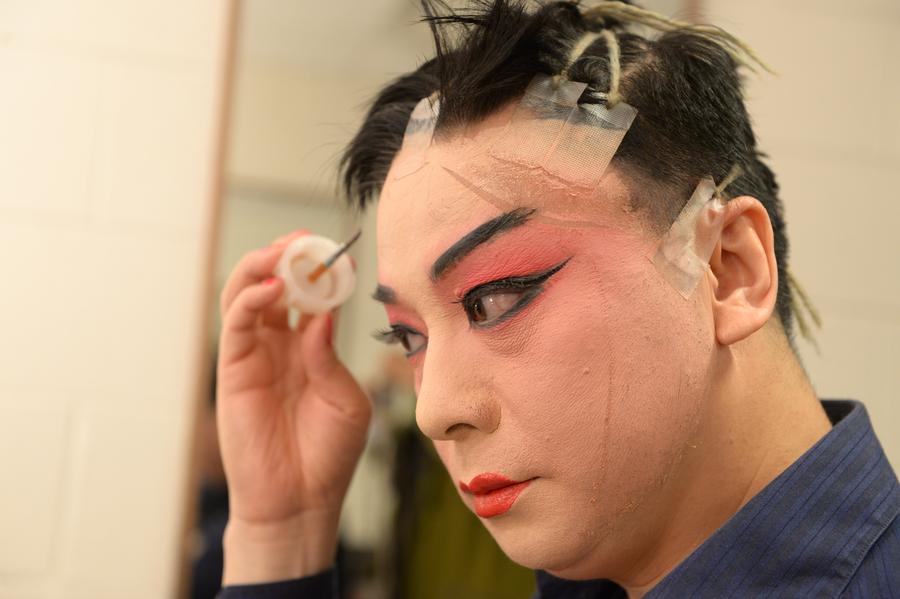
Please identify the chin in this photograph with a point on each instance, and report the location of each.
(536, 551)
(559, 541)
(561, 555)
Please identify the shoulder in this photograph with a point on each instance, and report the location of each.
(878, 574)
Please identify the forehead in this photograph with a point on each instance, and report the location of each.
(463, 184)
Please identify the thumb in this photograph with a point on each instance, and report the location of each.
(327, 374)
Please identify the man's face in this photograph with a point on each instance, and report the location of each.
(548, 353)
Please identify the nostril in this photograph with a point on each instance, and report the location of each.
(457, 429)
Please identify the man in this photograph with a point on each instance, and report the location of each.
(584, 258)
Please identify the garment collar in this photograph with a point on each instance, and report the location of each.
(804, 534)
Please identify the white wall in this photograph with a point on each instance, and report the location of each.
(109, 113)
(831, 123)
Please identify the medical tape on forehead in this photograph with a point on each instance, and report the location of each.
(682, 257)
(567, 144)
(551, 131)
(417, 138)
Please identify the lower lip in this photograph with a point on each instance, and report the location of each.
(498, 501)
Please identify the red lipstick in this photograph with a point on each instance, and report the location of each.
(494, 493)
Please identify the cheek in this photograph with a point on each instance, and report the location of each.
(557, 372)
(660, 347)
(606, 380)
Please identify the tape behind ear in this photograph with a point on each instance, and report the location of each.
(683, 255)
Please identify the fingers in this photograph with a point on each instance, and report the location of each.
(304, 321)
(239, 322)
(276, 315)
(254, 267)
(328, 375)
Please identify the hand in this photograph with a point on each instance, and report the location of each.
(292, 424)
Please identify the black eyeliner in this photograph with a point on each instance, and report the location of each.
(529, 285)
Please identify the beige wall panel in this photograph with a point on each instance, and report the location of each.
(291, 123)
(110, 115)
(34, 440)
(837, 75)
(842, 225)
(831, 124)
(165, 29)
(132, 459)
(137, 124)
(858, 360)
(39, 174)
(106, 310)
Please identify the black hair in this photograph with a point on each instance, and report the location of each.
(691, 120)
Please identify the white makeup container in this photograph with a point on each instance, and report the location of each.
(330, 290)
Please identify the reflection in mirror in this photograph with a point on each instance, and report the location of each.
(298, 97)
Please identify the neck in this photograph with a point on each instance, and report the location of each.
(762, 415)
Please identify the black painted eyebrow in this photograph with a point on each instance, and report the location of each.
(384, 294)
(479, 235)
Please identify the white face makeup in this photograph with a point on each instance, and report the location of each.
(548, 352)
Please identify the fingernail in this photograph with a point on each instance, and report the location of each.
(270, 281)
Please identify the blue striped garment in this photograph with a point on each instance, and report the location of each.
(826, 527)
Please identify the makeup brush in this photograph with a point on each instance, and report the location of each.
(321, 268)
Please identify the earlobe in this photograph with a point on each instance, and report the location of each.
(744, 270)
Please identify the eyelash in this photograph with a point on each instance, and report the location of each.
(398, 333)
(529, 285)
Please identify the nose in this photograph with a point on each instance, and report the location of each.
(455, 397)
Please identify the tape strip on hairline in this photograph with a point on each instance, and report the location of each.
(549, 130)
(418, 137)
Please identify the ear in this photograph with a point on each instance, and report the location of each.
(744, 271)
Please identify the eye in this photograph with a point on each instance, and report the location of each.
(412, 341)
(492, 306)
(491, 303)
